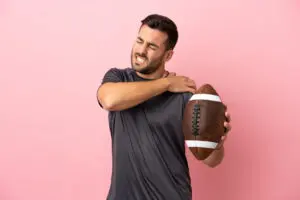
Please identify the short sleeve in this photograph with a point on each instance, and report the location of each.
(113, 75)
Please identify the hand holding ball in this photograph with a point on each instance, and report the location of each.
(203, 121)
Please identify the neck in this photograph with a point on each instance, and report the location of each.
(155, 75)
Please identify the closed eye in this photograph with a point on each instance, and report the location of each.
(139, 40)
(153, 47)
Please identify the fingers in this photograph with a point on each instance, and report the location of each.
(227, 116)
(191, 85)
(191, 90)
(227, 127)
(172, 74)
(166, 73)
(190, 82)
(181, 83)
(221, 143)
(225, 106)
(223, 138)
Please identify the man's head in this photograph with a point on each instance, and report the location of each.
(154, 44)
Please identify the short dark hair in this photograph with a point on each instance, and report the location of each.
(164, 24)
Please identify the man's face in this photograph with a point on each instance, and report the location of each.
(149, 50)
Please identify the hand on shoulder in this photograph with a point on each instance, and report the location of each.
(179, 83)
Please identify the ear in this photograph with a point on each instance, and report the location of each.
(168, 55)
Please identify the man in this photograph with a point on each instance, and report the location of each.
(146, 105)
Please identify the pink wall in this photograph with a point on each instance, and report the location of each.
(54, 140)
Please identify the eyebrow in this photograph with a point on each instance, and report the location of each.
(149, 42)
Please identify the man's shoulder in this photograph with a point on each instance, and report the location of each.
(122, 73)
(119, 70)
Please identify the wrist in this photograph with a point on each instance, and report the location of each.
(165, 83)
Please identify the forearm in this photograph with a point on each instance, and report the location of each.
(120, 96)
(215, 158)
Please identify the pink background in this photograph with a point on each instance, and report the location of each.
(55, 143)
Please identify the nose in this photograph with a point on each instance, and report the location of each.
(142, 50)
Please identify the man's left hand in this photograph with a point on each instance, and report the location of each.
(227, 127)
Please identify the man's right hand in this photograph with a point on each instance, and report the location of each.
(180, 83)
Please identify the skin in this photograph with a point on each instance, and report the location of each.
(150, 45)
(148, 58)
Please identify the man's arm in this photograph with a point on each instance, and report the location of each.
(120, 96)
(116, 95)
(217, 156)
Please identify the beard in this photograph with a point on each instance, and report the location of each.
(148, 67)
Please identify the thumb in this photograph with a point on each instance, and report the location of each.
(221, 143)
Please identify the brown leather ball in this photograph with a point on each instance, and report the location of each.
(203, 121)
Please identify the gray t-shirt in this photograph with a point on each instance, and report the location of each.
(148, 149)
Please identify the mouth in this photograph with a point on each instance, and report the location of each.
(140, 60)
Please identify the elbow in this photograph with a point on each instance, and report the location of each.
(106, 105)
(105, 101)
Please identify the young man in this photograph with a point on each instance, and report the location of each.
(146, 105)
